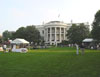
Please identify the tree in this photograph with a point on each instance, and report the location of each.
(33, 35)
(96, 27)
(77, 33)
(20, 33)
(0, 39)
(7, 35)
(30, 33)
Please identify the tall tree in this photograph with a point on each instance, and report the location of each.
(30, 33)
(77, 33)
(20, 33)
(7, 35)
(33, 35)
(0, 39)
(96, 27)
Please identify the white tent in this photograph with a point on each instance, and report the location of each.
(88, 40)
(19, 41)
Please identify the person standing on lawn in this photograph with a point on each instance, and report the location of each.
(82, 47)
(77, 49)
(4, 47)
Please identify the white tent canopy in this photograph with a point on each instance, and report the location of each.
(88, 40)
(19, 41)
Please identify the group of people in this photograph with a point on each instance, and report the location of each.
(4, 48)
(82, 48)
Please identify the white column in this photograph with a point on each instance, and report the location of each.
(50, 35)
(64, 33)
(60, 34)
(55, 34)
(47, 34)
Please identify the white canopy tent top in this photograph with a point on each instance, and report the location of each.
(19, 41)
(88, 40)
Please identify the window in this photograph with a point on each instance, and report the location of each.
(42, 31)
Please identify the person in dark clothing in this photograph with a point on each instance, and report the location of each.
(82, 47)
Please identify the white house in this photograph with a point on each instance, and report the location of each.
(54, 32)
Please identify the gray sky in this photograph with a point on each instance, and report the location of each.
(17, 13)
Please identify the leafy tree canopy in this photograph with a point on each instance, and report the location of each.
(77, 33)
(7, 35)
(96, 27)
(30, 33)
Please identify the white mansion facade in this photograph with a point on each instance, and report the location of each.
(54, 32)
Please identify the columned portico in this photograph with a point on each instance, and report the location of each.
(55, 32)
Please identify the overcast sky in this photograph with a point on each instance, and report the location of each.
(17, 13)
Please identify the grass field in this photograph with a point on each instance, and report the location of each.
(52, 62)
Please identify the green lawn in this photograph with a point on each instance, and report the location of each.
(52, 62)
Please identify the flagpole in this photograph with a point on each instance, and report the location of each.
(58, 16)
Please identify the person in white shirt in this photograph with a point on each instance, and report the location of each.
(77, 49)
(4, 48)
